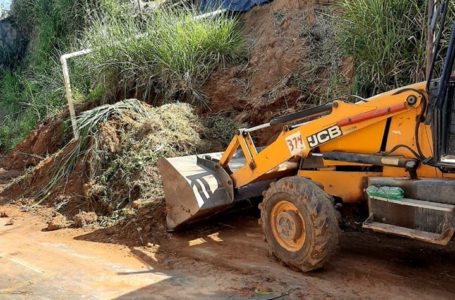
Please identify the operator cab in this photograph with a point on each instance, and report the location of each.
(448, 154)
(441, 111)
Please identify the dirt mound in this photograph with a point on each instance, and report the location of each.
(143, 226)
(113, 164)
(45, 139)
(282, 74)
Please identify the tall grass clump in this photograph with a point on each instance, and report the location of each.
(167, 54)
(387, 41)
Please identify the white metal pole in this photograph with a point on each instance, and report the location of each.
(68, 93)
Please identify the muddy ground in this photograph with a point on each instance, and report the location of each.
(226, 259)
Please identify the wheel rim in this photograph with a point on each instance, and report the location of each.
(288, 226)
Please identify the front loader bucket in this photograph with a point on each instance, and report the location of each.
(195, 187)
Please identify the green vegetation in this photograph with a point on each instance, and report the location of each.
(220, 129)
(167, 131)
(171, 59)
(324, 59)
(89, 125)
(166, 55)
(386, 39)
(32, 90)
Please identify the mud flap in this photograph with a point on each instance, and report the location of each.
(416, 219)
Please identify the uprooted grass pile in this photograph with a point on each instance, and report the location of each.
(111, 169)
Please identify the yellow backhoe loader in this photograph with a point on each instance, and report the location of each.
(400, 140)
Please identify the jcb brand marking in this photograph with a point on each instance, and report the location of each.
(295, 144)
(324, 136)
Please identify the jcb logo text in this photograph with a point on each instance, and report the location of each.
(324, 136)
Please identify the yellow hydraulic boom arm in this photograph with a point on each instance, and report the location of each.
(341, 119)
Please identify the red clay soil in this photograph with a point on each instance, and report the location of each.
(32, 184)
(71, 190)
(263, 88)
(46, 138)
(147, 225)
(280, 54)
(273, 34)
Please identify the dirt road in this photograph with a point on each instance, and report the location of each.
(223, 260)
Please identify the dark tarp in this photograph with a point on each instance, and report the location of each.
(232, 5)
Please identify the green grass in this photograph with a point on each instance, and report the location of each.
(32, 88)
(171, 60)
(11, 88)
(387, 41)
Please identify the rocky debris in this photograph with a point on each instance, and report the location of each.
(84, 219)
(3, 214)
(10, 222)
(146, 226)
(57, 222)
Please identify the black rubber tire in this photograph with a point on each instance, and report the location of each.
(319, 215)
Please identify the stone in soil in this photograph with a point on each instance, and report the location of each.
(83, 219)
(57, 222)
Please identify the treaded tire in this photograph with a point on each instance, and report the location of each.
(320, 222)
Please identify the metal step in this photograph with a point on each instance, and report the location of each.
(416, 219)
(440, 190)
(419, 204)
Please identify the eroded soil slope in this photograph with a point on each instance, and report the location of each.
(288, 66)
